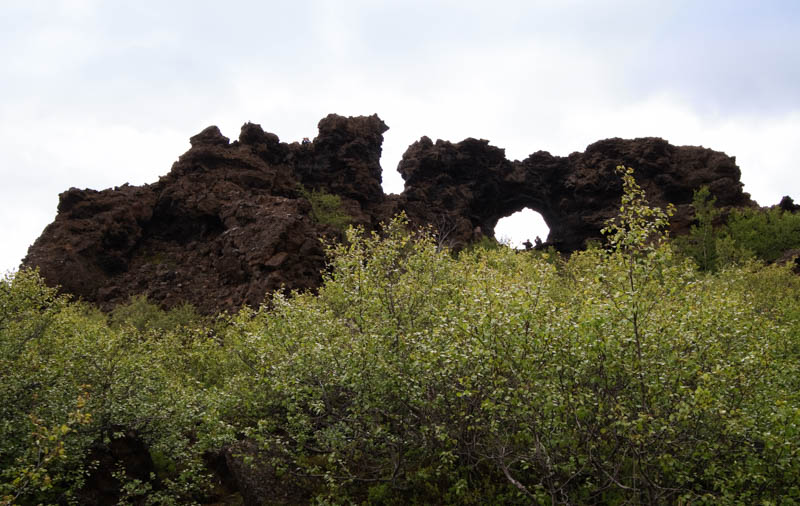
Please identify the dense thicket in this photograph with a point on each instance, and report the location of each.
(714, 242)
(617, 375)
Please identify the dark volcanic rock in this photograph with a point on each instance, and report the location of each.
(345, 158)
(228, 223)
(226, 226)
(787, 204)
(467, 187)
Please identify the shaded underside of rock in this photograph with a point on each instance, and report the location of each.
(230, 222)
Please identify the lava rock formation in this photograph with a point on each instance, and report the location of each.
(230, 222)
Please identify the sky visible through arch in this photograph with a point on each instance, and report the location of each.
(94, 94)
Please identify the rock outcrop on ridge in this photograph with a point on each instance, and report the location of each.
(229, 223)
(470, 185)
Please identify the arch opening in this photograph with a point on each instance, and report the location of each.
(520, 227)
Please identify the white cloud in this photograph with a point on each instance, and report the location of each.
(42, 159)
(768, 152)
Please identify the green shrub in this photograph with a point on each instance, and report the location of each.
(747, 233)
(701, 242)
(617, 376)
(326, 208)
(69, 382)
(145, 316)
(767, 233)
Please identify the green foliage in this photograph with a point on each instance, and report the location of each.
(767, 233)
(747, 234)
(326, 208)
(701, 242)
(618, 375)
(69, 382)
(638, 229)
(143, 315)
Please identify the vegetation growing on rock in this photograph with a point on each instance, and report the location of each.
(326, 208)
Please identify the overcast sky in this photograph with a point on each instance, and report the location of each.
(94, 94)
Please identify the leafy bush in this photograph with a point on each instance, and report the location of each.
(70, 385)
(326, 208)
(701, 242)
(145, 316)
(767, 233)
(621, 376)
(746, 234)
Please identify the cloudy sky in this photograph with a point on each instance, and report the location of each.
(94, 93)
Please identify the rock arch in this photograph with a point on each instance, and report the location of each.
(472, 181)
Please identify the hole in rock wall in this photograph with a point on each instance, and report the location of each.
(521, 226)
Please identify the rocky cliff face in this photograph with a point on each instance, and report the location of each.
(223, 228)
(229, 223)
